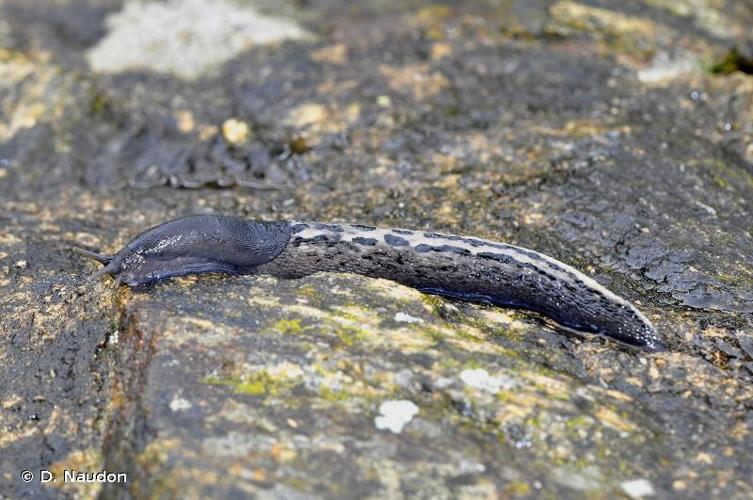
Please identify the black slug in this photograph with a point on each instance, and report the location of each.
(454, 266)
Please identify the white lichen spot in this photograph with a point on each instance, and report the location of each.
(184, 37)
(580, 479)
(664, 68)
(638, 488)
(395, 414)
(179, 404)
(480, 379)
(402, 317)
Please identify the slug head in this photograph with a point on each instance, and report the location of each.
(194, 245)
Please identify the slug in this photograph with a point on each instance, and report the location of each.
(460, 267)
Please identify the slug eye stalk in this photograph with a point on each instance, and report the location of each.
(102, 258)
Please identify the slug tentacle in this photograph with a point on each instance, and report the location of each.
(461, 267)
(102, 258)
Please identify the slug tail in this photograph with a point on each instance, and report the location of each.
(467, 268)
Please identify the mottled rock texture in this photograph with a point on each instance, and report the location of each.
(616, 136)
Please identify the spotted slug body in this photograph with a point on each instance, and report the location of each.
(461, 267)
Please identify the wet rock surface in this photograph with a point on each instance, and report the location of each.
(596, 132)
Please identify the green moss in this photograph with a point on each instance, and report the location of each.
(348, 315)
(433, 301)
(351, 336)
(724, 174)
(308, 291)
(533, 422)
(319, 369)
(504, 396)
(333, 394)
(348, 335)
(98, 104)
(733, 61)
(517, 488)
(259, 383)
(288, 326)
(252, 388)
(474, 364)
(102, 106)
(574, 423)
(736, 280)
(432, 333)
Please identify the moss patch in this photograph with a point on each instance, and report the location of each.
(260, 383)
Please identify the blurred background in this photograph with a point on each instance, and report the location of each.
(613, 135)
